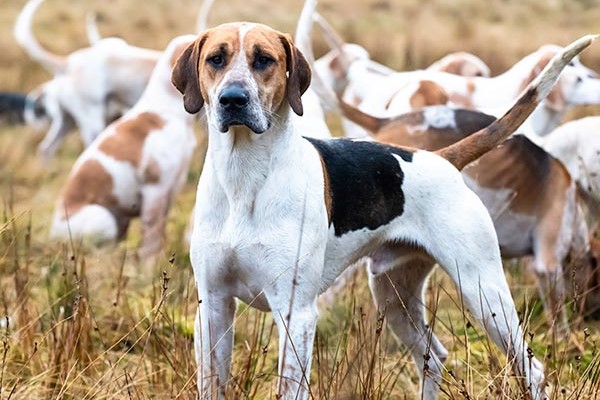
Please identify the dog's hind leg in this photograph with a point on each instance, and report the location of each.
(464, 244)
(155, 207)
(551, 245)
(399, 294)
(61, 124)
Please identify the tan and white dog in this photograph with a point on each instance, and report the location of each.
(90, 88)
(334, 67)
(279, 217)
(407, 91)
(134, 168)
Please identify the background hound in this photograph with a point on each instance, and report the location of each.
(90, 88)
(134, 168)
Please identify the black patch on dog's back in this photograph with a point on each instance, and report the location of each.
(365, 182)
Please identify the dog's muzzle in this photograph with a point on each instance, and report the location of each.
(235, 109)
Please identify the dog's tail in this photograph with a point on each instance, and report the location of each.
(302, 38)
(24, 36)
(474, 146)
(202, 20)
(332, 38)
(367, 121)
(91, 28)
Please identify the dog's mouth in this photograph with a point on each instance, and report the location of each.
(232, 118)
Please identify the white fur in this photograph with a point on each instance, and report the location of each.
(577, 145)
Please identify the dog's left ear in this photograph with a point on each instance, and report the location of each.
(185, 76)
(299, 74)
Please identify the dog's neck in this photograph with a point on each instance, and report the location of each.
(242, 161)
(518, 73)
(161, 96)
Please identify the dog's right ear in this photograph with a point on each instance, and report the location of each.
(185, 76)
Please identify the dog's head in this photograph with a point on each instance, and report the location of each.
(244, 74)
(577, 85)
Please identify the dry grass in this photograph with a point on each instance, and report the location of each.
(83, 323)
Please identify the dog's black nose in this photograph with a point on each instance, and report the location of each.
(234, 96)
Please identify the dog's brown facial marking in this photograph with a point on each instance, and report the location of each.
(243, 73)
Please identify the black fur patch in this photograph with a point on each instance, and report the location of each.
(12, 106)
(365, 182)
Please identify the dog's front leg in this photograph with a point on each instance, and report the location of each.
(296, 324)
(58, 129)
(213, 339)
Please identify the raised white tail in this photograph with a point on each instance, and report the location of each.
(54, 63)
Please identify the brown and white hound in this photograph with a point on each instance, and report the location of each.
(134, 168)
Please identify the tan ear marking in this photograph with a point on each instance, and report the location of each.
(185, 76)
(299, 74)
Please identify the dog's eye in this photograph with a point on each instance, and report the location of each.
(262, 62)
(571, 64)
(216, 61)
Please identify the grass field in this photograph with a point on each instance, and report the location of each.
(86, 323)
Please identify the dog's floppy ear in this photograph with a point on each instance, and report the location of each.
(299, 74)
(185, 76)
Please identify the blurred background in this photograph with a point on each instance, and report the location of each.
(403, 34)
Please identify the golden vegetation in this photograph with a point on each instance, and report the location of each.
(95, 323)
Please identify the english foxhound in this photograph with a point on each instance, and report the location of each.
(334, 70)
(279, 217)
(334, 66)
(134, 168)
(91, 86)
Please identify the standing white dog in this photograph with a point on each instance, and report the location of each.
(279, 217)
